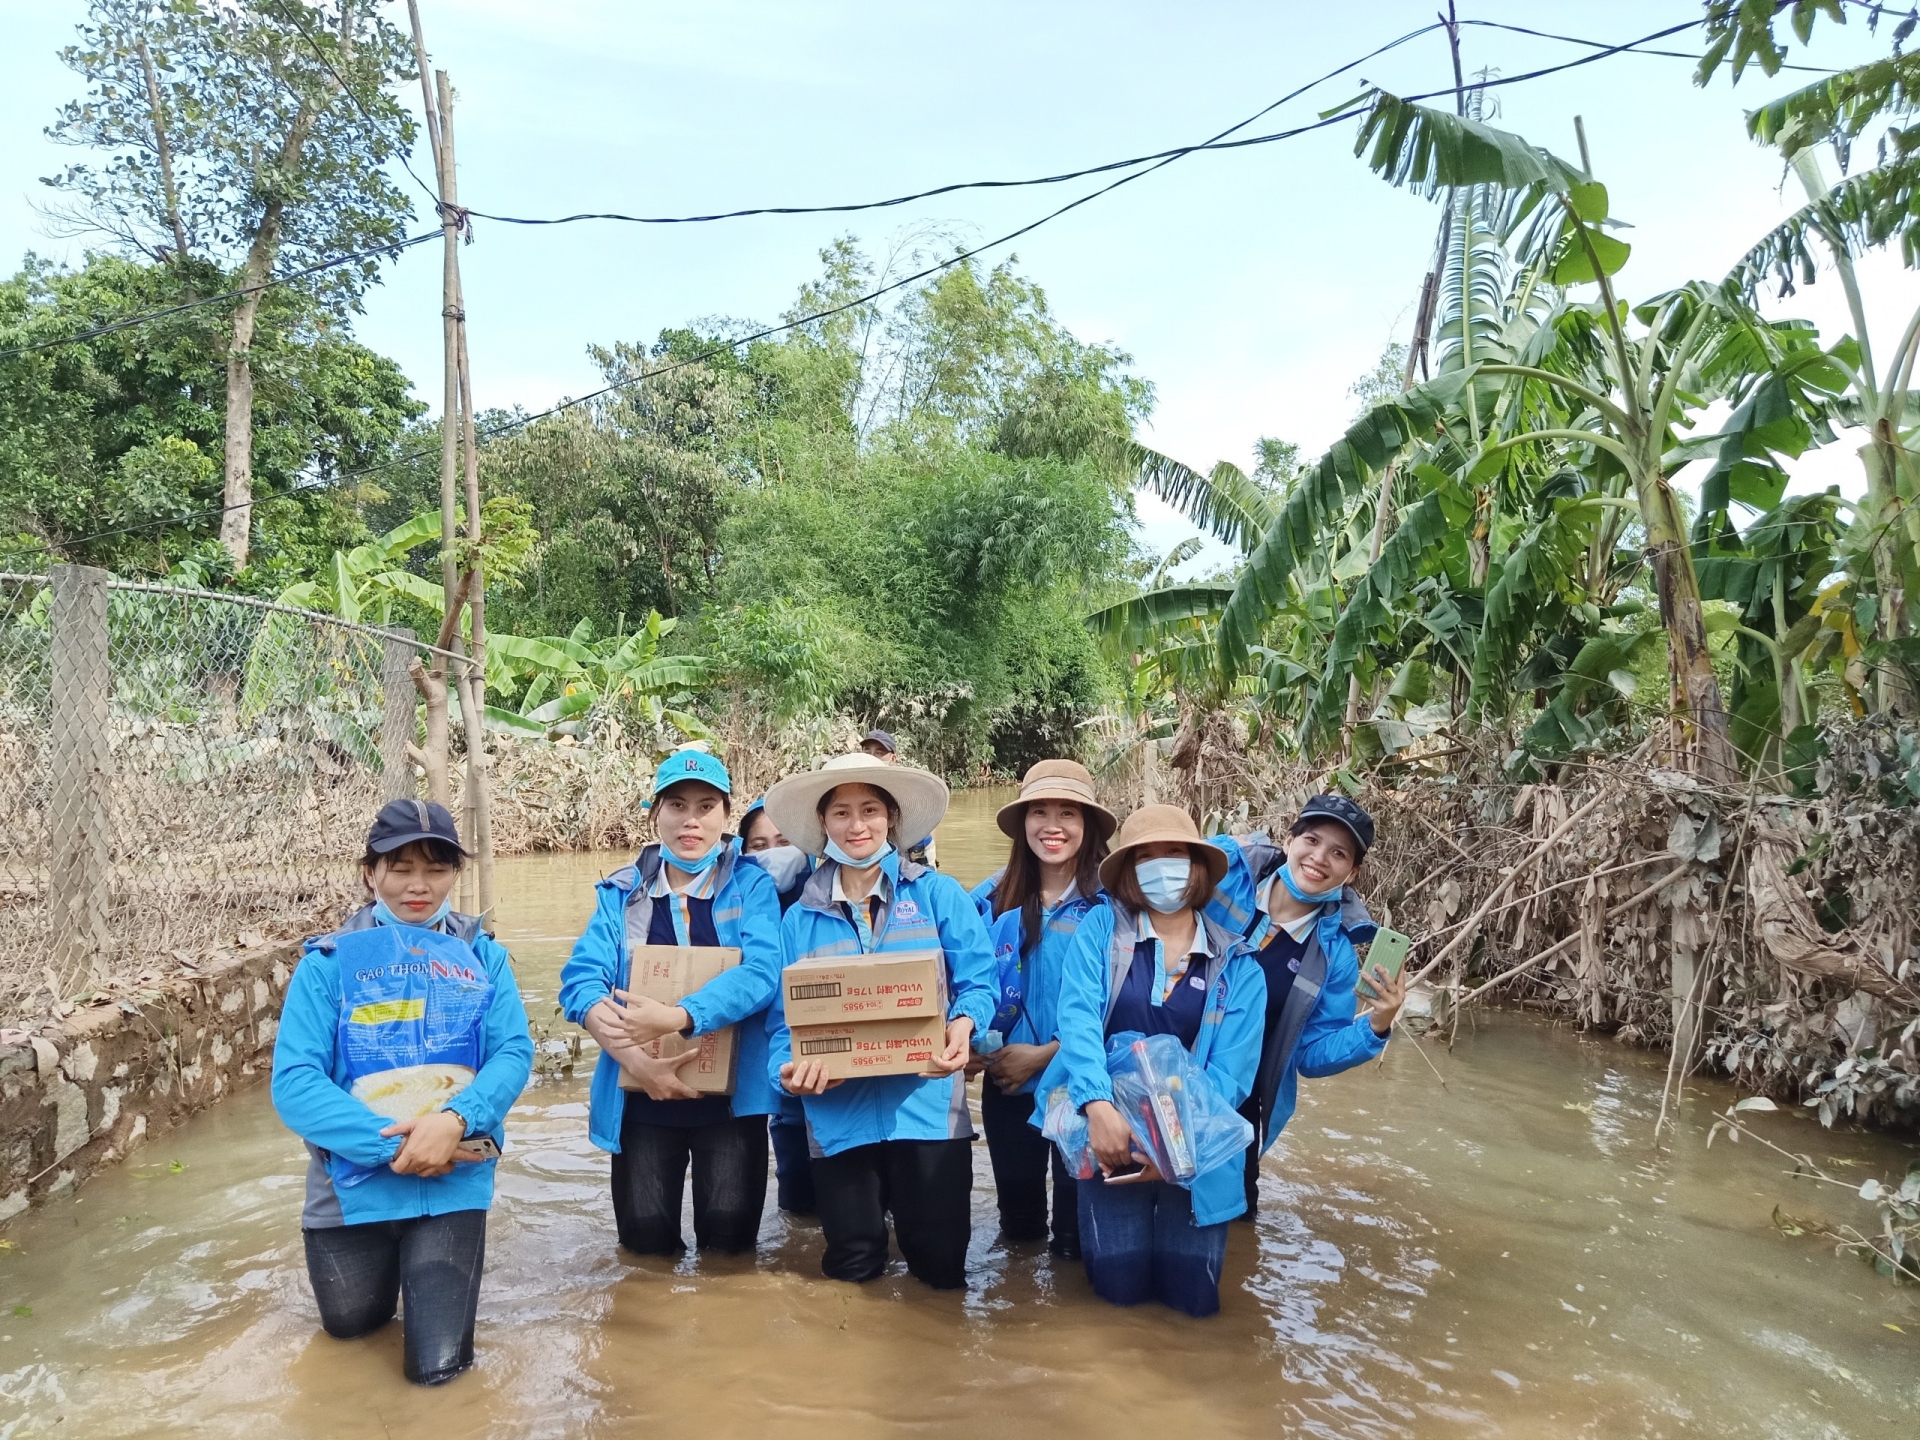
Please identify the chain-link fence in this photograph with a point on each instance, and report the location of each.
(180, 771)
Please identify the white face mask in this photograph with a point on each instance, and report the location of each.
(1163, 882)
(785, 863)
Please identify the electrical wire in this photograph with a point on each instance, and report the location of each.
(938, 190)
(1632, 49)
(128, 323)
(293, 19)
(960, 257)
(1218, 142)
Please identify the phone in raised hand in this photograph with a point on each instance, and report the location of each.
(1388, 951)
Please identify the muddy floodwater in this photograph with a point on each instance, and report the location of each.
(1504, 1257)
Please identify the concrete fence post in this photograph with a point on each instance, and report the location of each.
(79, 858)
(396, 727)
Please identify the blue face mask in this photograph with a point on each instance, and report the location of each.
(1163, 882)
(840, 857)
(386, 916)
(785, 863)
(693, 867)
(1303, 896)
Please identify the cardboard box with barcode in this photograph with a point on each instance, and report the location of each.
(863, 1048)
(906, 985)
(670, 973)
(880, 1014)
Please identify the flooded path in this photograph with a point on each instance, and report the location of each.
(1503, 1258)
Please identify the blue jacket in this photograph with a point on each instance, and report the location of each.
(746, 915)
(929, 911)
(1039, 1021)
(1320, 1028)
(982, 894)
(310, 1092)
(1227, 1047)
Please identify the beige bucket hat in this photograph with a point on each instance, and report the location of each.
(793, 804)
(1059, 780)
(1152, 824)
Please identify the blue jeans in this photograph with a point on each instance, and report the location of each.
(1140, 1243)
(360, 1274)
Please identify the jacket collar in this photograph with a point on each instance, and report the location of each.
(818, 892)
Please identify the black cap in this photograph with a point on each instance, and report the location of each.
(881, 737)
(401, 822)
(1339, 807)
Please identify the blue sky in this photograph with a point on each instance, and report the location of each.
(1251, 286)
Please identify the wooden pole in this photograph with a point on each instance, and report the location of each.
(79, 859)
(438, 739)
(476, 826)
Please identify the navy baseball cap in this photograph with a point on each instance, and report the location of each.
(1340, 808)
(401, 822)
(881, 737)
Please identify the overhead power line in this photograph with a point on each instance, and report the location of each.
(938, 190)
(1345, 113)
(1633, 49)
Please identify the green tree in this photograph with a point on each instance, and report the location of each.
(110, 446)
(252, 137)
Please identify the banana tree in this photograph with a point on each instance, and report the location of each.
(622, 676)
(362, 583)
(1864, 211)
(1626, 378)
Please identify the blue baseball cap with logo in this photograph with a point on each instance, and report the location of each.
(691, 765)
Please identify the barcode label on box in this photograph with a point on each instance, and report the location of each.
(819, 990)
(827, 1045)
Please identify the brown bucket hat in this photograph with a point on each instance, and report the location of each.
(1059, 780)
(1152, 824)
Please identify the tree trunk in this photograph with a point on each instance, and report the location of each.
(164, 150)
(1893, 696)
(1695, 688)
(236, 493)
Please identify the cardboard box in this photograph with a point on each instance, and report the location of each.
(670, 973)
(908, 985)
(872, 1047)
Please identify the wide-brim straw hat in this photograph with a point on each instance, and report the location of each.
(1153, 824)
(1059, 780)
(793, 804)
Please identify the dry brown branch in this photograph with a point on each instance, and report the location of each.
(1506, 883)
(1784, 923)
(1574, 939)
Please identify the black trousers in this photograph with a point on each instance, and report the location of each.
(926, 1185)
(1021, 1158)
(1251, 1113)
(361, 1273)
(792, 1166)
(729, 1161)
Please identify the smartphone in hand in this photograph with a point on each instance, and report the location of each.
(1388, 951)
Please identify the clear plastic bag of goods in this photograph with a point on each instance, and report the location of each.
(1066, 1127)
(1178, 1119)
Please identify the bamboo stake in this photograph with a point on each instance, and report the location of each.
(478, 779)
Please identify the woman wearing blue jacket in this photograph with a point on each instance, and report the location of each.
(687, 888)
(1293, 907)
(1150, 961)
(892, 1144)
(1035, 907)
(762, 844)
(401, 1047)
